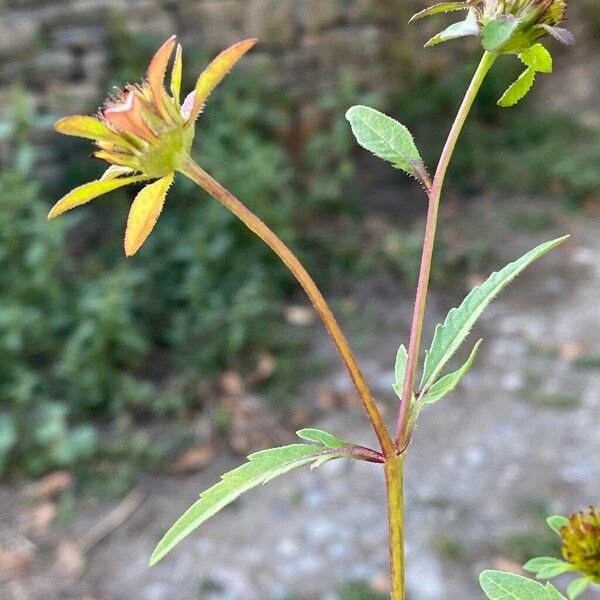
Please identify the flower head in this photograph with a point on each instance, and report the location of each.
(146, 133)
(581, 543)
(505, 26)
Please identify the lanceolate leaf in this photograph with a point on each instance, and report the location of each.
(470, 26)
(507, 586)
(447, 384)
(553, 593)
(557, 522)
(519, 89)
(261, 468)
(546, 567)
(443, 7)
(449, 336)
(387, 139)
(400, 370)
(577, 587)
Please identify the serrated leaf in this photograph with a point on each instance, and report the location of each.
(507, 586)
(447, 384)
(557, 522)
(577, 587)
(470, 26)
(546, 567)
(322, 437)
(519, 89)
(261, 468)
(400, 369)
(387, 139)
(442, 7)
(450, 335)
(538, 58)
(499, 31)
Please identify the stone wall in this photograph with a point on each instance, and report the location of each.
(60, 49)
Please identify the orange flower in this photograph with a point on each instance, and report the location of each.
(146, 133)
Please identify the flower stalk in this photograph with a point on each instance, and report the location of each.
(434, 195)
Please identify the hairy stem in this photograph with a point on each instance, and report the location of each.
(255, 224)
(394, 479)
(435, 192)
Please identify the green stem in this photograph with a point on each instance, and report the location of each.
(435, 192)
(394, 479)
(215, 189)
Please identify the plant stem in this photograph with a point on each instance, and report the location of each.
(435, 192)
(394, 479)
(255, 224)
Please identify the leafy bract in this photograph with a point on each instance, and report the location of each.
(499, 31)
(449, 336)
(442, 7)
(519, 89)
(261, 468)
(470, 26)
(507, 586)
(546, 567)
(538, 58)
(557, 522)
(387, 139)
(577, 587)
(447, 384)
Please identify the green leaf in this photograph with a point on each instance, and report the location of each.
(552, 593)
(577, 587)
(538, 58)
(546, 567)
(443, 7)
(387, 139)
(470, 26)
(507, 586)
(322, 437)
(557, 522)
(400, 369)
(261, 468)
(519, 89)
(498, 32)
(447, 384)
(450, 335)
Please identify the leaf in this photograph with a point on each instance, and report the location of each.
(449, 336)
(89, 191)
(470, 26)
(546, 567)
(400, 370)
(564, 36)
(176, 73)
(144, 213)
(447, 384)
(322, 437)
(507, 586)
(577, 587)
(261, 468)
(443, 7)
(552, 593)
(213, 75)
(499, 31)
(557, 522)
(90, 128)
(538, 58)
(387, 139)
(519, 89)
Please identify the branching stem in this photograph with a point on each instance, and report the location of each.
(402, 429)
(255, 224)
